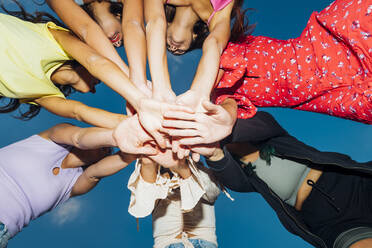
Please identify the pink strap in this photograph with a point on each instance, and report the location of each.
(211, 16)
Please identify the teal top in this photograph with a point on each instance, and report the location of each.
(283, 176)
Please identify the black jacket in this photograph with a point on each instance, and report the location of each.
(263, 130)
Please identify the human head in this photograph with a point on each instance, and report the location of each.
(185, 29)
(108, 16)
(184, 23)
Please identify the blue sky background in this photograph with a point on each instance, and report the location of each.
(100, 218)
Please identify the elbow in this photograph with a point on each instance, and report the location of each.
(82, 31)
(77, 111)
(95, 61)
(133, 25)
(76, 138)
(213, 42)
(157, 24)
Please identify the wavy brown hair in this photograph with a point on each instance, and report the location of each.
(12, 104)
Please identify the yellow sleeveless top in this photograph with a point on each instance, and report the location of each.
(29, 55)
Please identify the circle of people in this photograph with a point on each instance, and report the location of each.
(327, 69)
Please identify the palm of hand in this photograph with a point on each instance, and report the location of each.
(216, 125)
(151, 118)
(132, 141)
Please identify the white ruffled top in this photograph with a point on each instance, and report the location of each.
(181, 208)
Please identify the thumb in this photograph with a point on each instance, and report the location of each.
(210, 107)
(195, 157)
(147, 150)
(159, 139)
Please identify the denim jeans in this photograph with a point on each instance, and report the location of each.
(4, 236)
(197, 243)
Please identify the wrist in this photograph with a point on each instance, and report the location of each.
(217, 155)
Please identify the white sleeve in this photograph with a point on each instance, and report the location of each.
(199, 185)
(143, 194)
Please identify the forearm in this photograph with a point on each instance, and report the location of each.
(135, 46)
(103, 168)
(207, 69)
(86, 29)
(79, 111)
(93, 138)
(182, 169)
(96, 39)
(156, 44)
(231, 107)
(149, 170)
(109, 165)
(100, 67)
(113, 77)
(97, 117)
(135, 40)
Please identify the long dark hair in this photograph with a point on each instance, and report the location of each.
(11, 103)
(115, 8)
(241, 26)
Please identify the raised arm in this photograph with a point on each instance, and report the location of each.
(103, 168)
(132, 142)
(82, 138)
(208, 67)
(156, 26)
(100, 67)
(149, 111)
(79, 111)
(135, 43)
(87, 30)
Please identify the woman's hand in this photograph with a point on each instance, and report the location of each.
(164, 95)
(201, 128)
(131, 138)
(165, 158)
(210, 151)
(193, 100)
(151, 113)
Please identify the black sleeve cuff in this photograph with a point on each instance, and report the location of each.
(221, 164)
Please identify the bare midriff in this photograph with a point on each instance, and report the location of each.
(304, 190)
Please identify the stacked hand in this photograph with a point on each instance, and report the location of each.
(151, 114)
(131, 138)
(159, 124)
(201, 131)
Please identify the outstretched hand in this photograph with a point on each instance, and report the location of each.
(200, 128)
(131, 138)
(151, 113)
(193, 100)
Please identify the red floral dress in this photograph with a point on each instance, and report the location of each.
(328, 69)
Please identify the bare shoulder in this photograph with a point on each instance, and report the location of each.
(47, 134)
